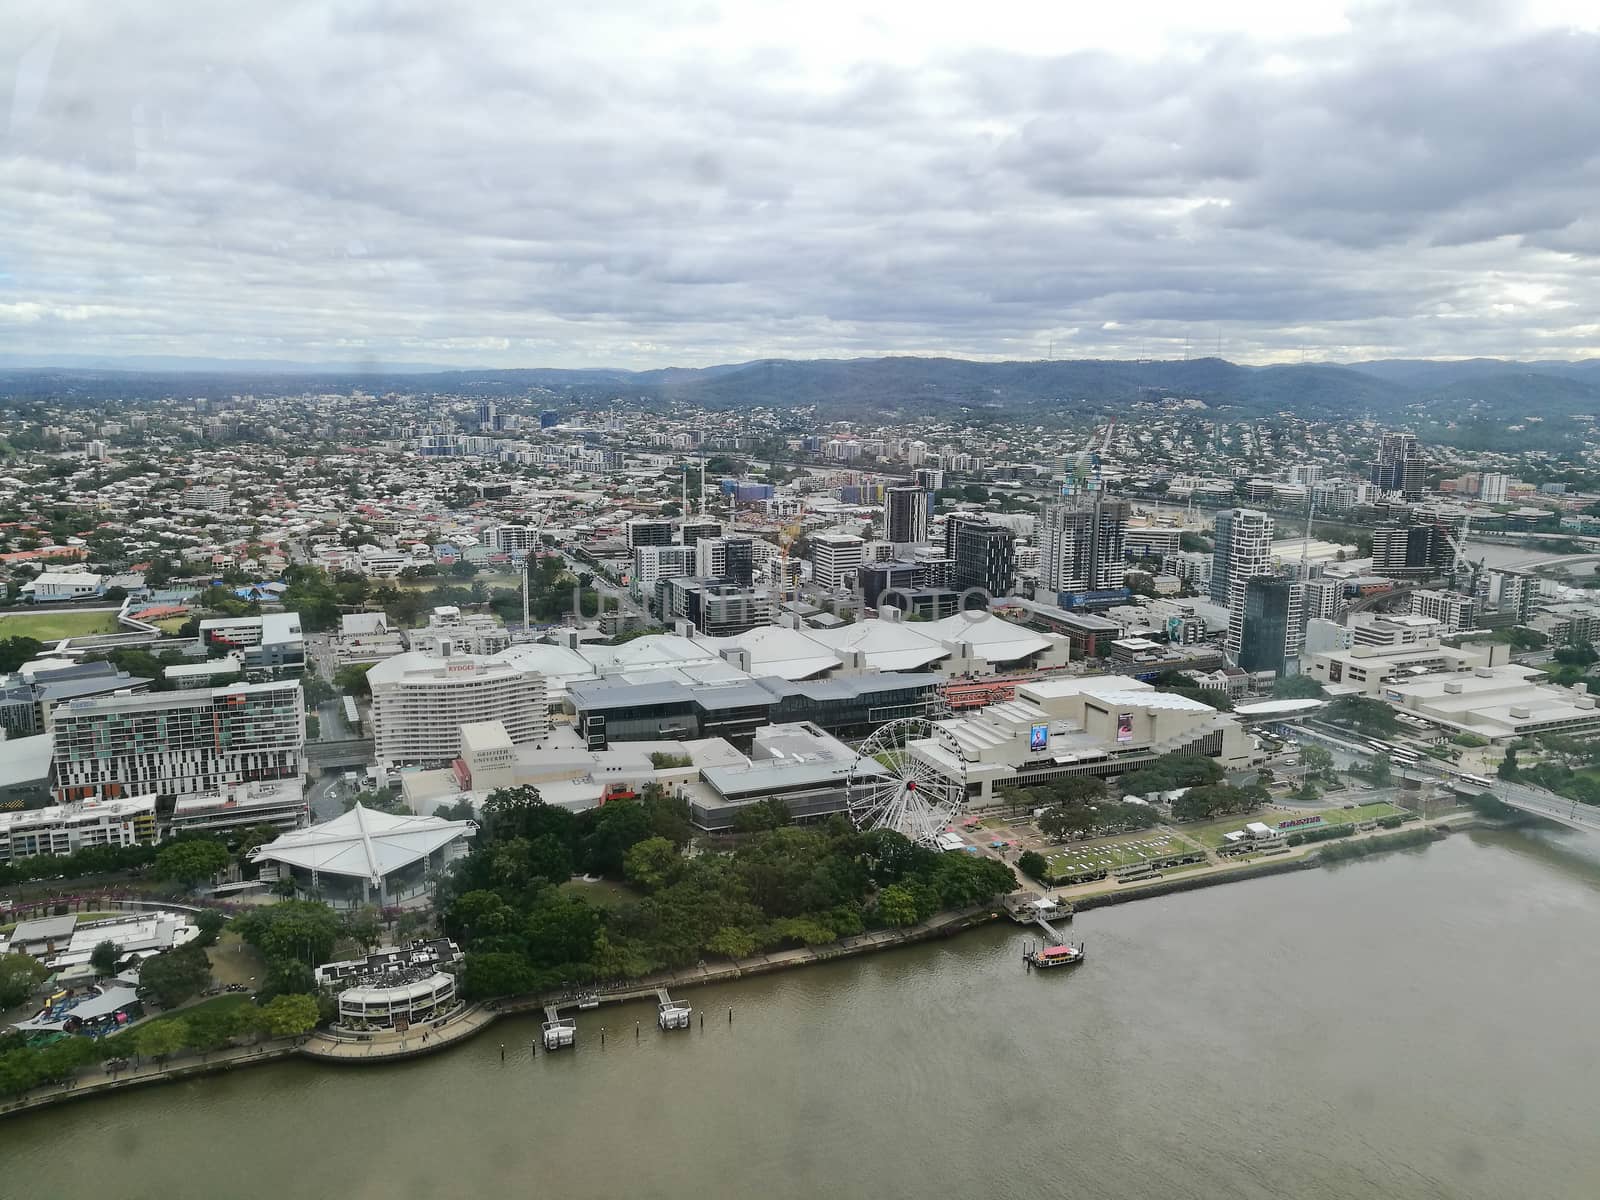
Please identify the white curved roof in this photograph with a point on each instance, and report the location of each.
(363, 843)
(887, 645)
(1266, 708)
(775, 650)
(993, 639)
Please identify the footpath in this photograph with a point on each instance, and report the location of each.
(100, 1081)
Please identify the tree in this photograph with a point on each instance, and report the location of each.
(210, 923)
(1318, 762)
(485, 976)
(175, 976)
(301, 930)
(1378, 770)
(732, 942)
(20, 974)
(650, 863)
(162, 1039)
(286, 977)
(190, 861)
(560, 929)
(14, 651)
(352, 680)
(479, 914)
(363, 926)
(103, 958)
(1298, 687)
(1034, 864)
(771, 813)
(1508, 765)
(317, 690)
(212, 1028)
(897, 906)
(289, 1015)
(1064, 820)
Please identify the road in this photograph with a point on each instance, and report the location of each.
(326, 797)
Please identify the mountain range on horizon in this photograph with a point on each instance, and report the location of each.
(1467, 401)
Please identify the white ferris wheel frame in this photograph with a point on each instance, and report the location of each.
(914, 797)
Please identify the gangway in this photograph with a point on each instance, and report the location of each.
(560, 1033)
(670, 1013)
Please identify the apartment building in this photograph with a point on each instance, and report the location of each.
(420, 701)
(185, 743)
(467, 633)
(68, 828)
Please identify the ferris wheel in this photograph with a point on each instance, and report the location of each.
(890, 787)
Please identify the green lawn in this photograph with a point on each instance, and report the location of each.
(225, 1001)
(1113, 853)
(53, 626)
(604, 894)
(1210, 832)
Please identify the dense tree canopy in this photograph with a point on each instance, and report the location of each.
(524, 927)
(191, 861)
(175, 976)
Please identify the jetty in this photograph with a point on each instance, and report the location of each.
(670, 1013)
(559, 1033)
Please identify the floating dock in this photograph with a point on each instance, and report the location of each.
(560, 1033)
(670, 1013)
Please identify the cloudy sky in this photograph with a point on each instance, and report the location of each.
(653, 183)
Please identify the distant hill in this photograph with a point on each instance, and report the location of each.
(1445, 396)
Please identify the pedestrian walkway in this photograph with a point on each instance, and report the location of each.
(100, 1080)
(420, 1039)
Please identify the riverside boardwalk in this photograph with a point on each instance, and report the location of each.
(335, 1046)
(99, 1081)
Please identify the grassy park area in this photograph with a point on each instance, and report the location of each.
(1111, 854)
(53, 626)
(1209, 833)
(603, 893)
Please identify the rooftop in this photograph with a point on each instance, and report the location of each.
(363, 843)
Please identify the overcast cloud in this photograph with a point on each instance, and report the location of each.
(645, 184)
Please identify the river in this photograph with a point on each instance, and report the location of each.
(1417, 1025)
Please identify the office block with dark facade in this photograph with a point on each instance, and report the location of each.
(715, 608)
(983, 555)
(876, 578)
(1268, 625)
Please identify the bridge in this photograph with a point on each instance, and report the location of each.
(346, 752)
(1532, 800)
(1373, 599)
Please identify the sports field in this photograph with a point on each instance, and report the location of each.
(53, 626)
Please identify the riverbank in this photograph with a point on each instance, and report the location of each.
(101, 1081)
(327, 1047)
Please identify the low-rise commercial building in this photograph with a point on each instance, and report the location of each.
(365, 857)
(1366, 670)
(1098, 725)
(1498, 703)
(28, 696)
(67, 828)
(269, 645)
